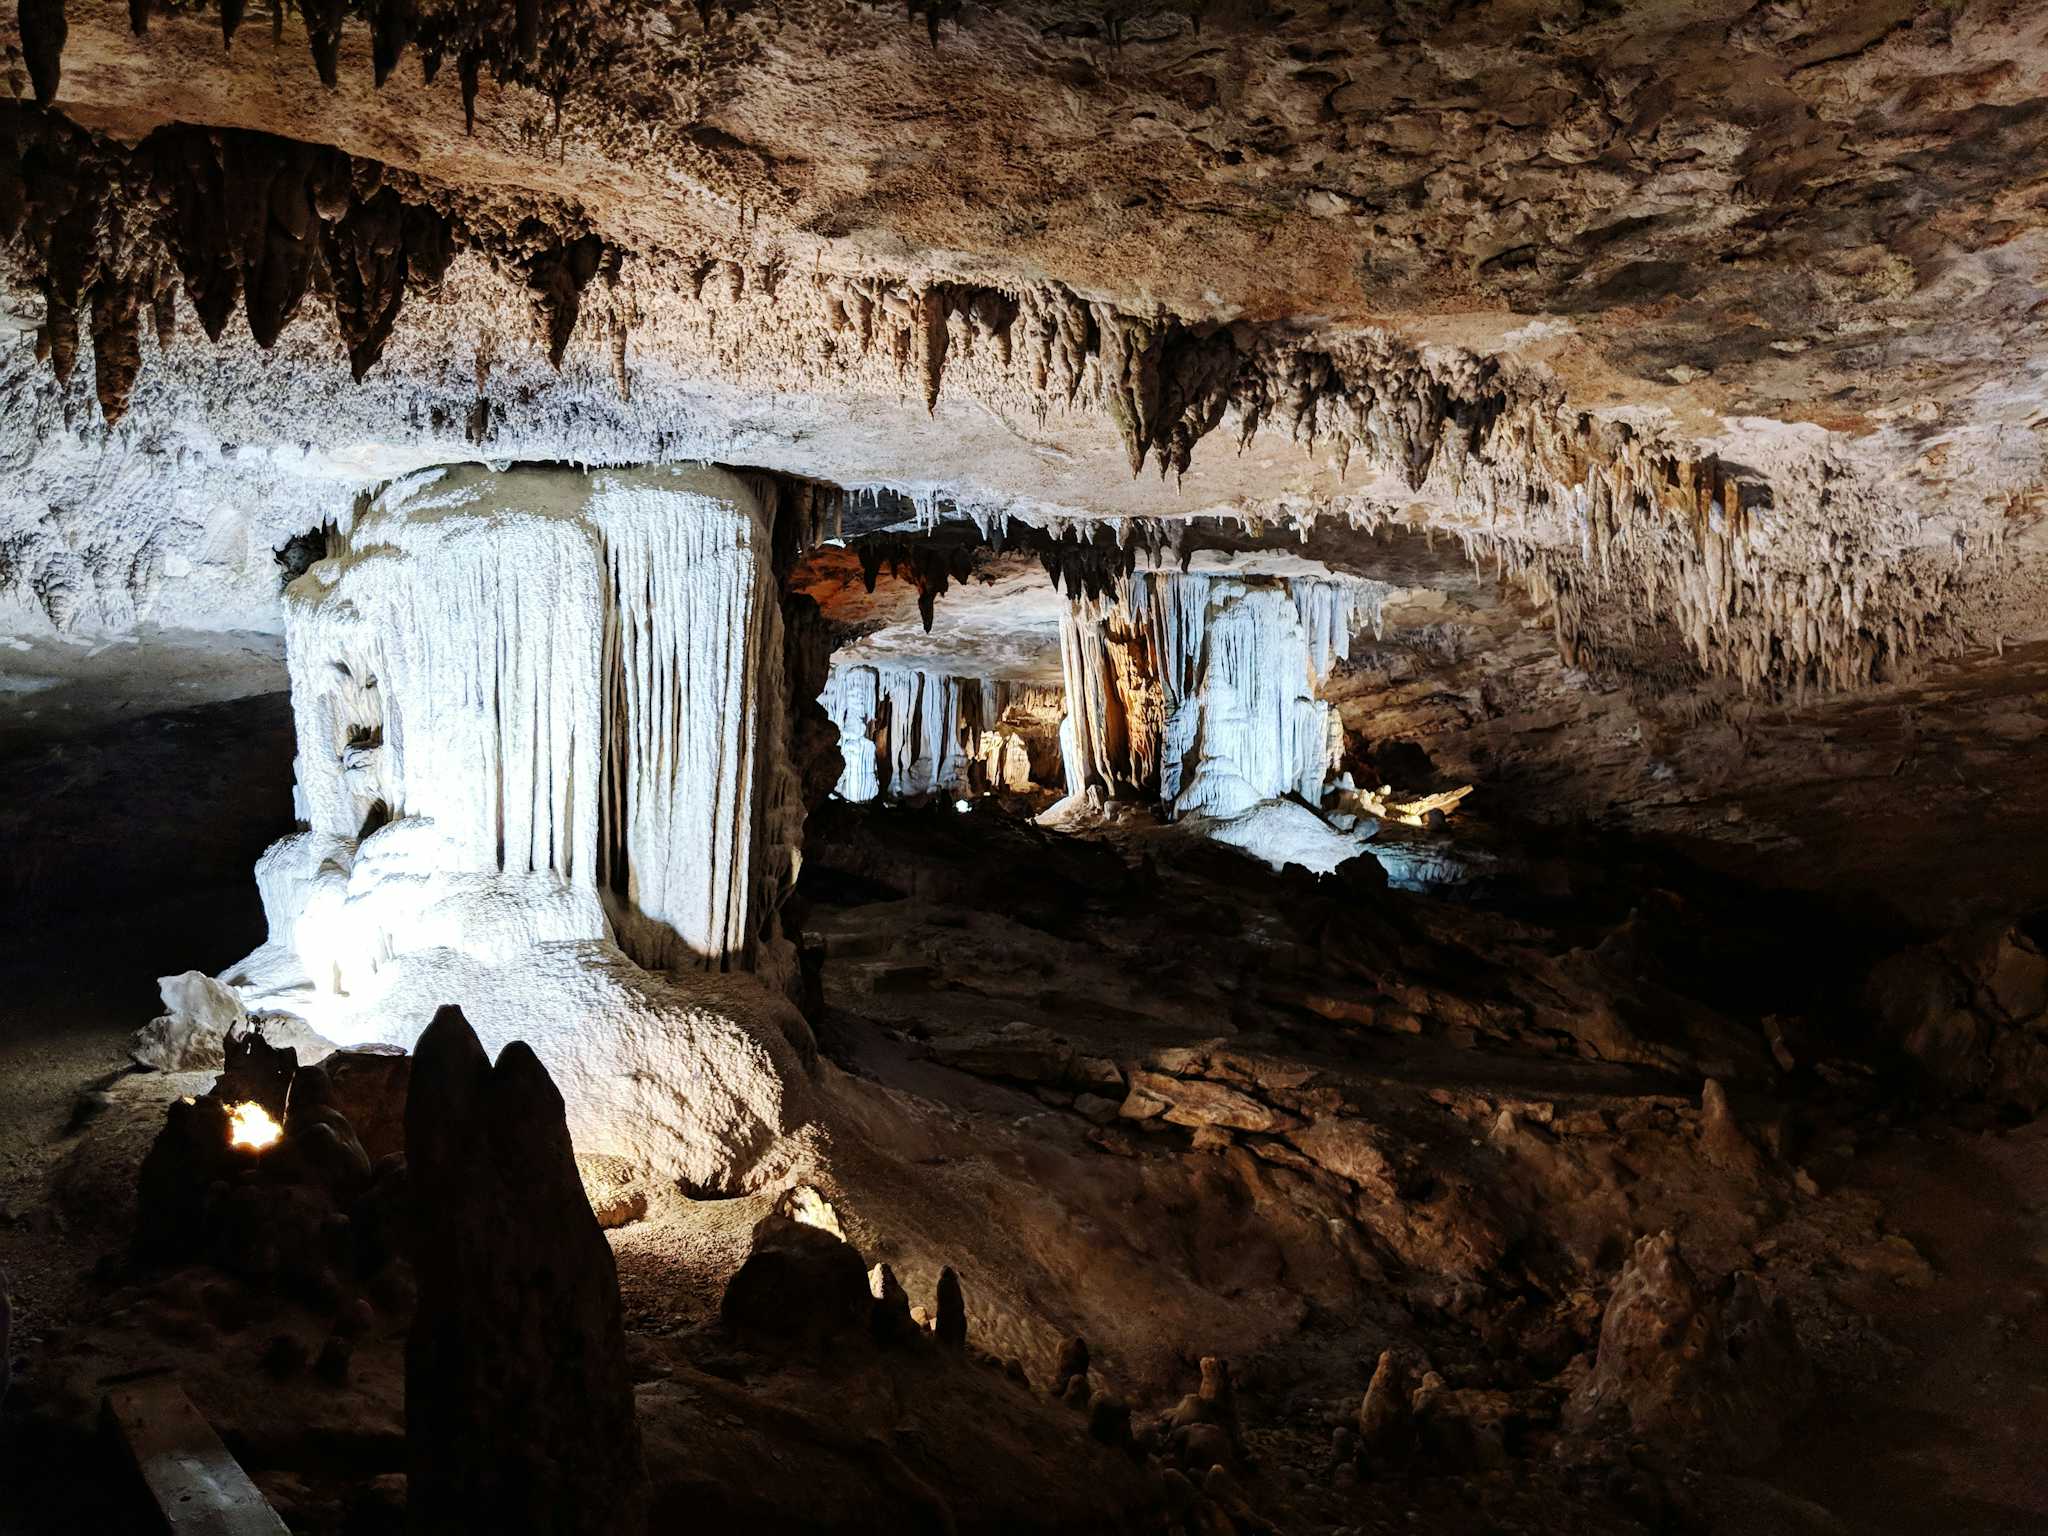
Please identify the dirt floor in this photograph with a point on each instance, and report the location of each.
(1913, 1251)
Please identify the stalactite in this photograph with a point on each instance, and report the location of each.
(906, 731)
(323, 37)
(1627, 526)
(43, 33)
(392, 26)
(558, 277)
(116, 344)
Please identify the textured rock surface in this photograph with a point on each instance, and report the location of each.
(1972, 1011)
(1724, 1374)
(1710, 340)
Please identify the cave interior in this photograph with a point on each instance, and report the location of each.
(1201, 769)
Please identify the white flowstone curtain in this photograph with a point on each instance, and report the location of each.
(1237, 663)
(551, 675)
(934, 726)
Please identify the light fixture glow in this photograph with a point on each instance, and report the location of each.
(250, 1125)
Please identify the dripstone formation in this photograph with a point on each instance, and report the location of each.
(519, 1406)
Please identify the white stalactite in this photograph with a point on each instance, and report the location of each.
(923, 726)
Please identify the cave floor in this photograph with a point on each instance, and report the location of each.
(992, 1003)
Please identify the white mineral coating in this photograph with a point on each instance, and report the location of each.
(564, 675)
(852, 697)
(541, 729)
(1280, 833)
(928, 724)
(189, 1033)
(1263, 733)
(686, 1075)
(199, 1011)
(1201, 686)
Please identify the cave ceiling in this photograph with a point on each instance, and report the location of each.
(1717, 320)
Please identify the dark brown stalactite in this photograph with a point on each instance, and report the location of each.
(116, 344)
(934, 305)
(138, 16)
(1196, 374)
(43, 30)
(365, 252)
(467, 64)
(231, 13)
(13, 192)
(558, 278)
(272, 221)
(928, 564)
(323, 36)
(392, 26)
(195, 225)
(59, 336)
(529, 32)
(163, 307)
(372, 252)
(239, 216)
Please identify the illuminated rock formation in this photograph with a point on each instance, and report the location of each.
(542, 745)
(906, 730)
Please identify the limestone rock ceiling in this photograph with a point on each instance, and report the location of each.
(1706, 321)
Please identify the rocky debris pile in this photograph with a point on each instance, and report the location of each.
(1718, 1375)
(519, 1404)
(1971, 1010)
(803, 1292)
(266, 1179)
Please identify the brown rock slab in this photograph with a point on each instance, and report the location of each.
(199, 1489)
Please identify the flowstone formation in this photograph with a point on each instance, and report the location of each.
(1198, 686)
(906, 731)
(543, 768)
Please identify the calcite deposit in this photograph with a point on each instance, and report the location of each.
(1191, 768)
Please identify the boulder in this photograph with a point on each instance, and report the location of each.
(889, 1318)
(1199, 1102)
(369, 1087)
(1072, 1362)
(1383, 1414)
(798, 1282)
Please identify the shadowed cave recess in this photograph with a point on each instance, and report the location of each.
(1198, 769)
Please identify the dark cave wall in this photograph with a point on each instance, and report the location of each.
(154, 825)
